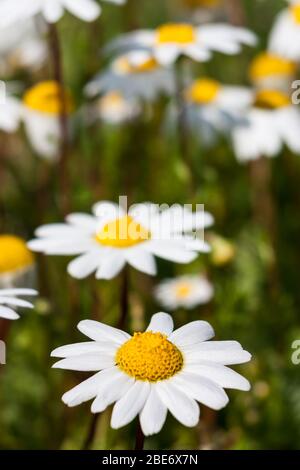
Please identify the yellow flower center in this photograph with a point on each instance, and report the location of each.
(45, 97)
(150, 357)
(266, 65)
(122, 233)
(203, 91)
(173, 33)
(124, 66)
(295, 10)
(271, 99)
(183, 290)
(14, 254)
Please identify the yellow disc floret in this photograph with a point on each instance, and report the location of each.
(270, 65)
(203, 91)
(150, 357)
(295, 10)
(122, 233)
(45, 97)
(271, 99)
(124, 66)
(183, 290)
(176, 33)
(14, 254)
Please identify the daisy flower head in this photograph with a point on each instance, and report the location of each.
(171, 40)
(42, 106)
(285, 34)
(270, 123)
(114, 108)
(16, 261)
(213, 108)
(269, 70)
(135, 74)
(12, 11)
(10, 110)
(113, 236)
(153, 372)
(184, 291)
(10, 297)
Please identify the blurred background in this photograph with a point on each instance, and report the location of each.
(255, 272)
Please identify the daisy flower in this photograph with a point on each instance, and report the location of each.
(52, 10)
(114, 108)
(16, 262)
(41, 110)
(10, 297)
(10, 111)
(285, 34)
(271, 122)
(112, 237)
(136, 74)
(184, 291)
(171, 40)
(269, 70)
(151, 373)
(213, 108)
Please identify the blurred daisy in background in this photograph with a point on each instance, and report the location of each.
(10, 110)
(213, 108)
(151, 373)
(203, 11)
(285, 34)
(52, 10)
(136, 74)
(271, 71)
(17, 264)
(110, 238)
(171, 40)
(113, 108)
(222, 250)
(184, 291)
(272, 122)
(9, 298)
(41, 110)
(21, 46)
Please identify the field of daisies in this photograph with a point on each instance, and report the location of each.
(149, 224)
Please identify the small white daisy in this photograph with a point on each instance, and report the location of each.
(110, 238)
(271, 123)
(171, 40)
(114, 108)
(40, 113)
(285, 34)
(10, 297)
(12, 11)
(271, 71)
(136, 74)
(10, 111)
(184, 291)
(213, 108)
(151, 373)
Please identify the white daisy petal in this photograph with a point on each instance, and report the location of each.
(86, 362)
(180, 405)
(8, 313)
(111, 265)
(141, 260)
(222, 375)
(192, 333)
(170, 251)
(101, 332)
(161, 323)
(15, 301)
(53, 10)
(85, 391)
(112, 389)
(83, 221)
(222, 352)
(84, 265)
(130, 405)
(86, 347)
(87, 10)
(153, 415)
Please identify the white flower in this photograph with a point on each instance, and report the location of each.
(10, 297)
(114, 108)
(136, 74)
(285, 35)
(52, 10)
(272, 122)
(40, 113)
(214, 108)
(271, 71)
(110, 238)
(184, 291)
(21, 46)
(154, 372)
(171, 40)
(10, 112)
